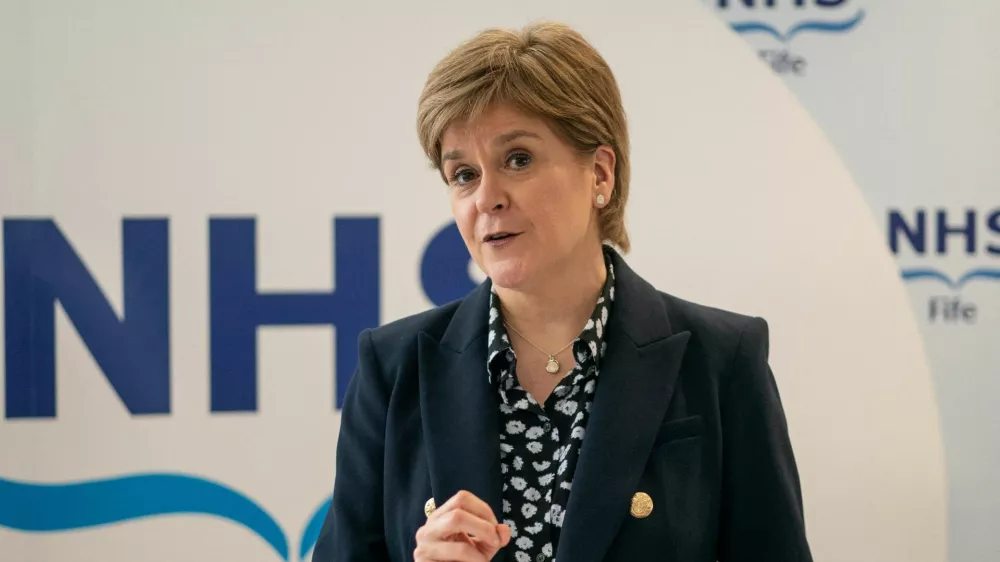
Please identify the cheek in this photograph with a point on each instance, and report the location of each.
(464, 213)
(565, 210)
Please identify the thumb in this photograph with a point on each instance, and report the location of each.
(503, 537)
(503, 531)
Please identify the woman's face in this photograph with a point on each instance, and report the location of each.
(523, 199)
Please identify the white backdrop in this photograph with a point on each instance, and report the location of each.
(908, 96)
(296, 114)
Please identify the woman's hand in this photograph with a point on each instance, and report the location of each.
(464, 529)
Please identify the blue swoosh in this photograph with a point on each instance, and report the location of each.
(756, 26)
(912, 274)
(988, 274)
(826, 26)
(806, 25)
(315, 525)
(60, 507)
(929, 273)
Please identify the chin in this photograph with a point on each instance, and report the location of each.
(508, 273)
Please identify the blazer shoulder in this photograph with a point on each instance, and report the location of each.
(720, 331)
(396, 340)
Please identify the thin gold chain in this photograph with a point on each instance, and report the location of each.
(550, 355)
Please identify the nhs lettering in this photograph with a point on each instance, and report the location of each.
(41, 267)
(972, 235)
(970, 232)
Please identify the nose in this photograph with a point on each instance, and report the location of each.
(491, 197)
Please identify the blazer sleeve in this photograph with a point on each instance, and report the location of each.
(762, 516)
(353, 530)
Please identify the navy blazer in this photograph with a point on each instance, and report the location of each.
(687, 411)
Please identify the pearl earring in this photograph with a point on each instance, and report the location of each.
(600, 199)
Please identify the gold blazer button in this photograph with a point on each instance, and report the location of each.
(642, 505)
(429, 507)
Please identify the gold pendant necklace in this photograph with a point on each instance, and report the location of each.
(552, 365)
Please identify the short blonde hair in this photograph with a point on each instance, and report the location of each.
(546, 69)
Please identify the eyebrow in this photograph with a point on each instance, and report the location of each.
(499, 141)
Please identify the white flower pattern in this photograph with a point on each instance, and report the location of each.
(541, 443)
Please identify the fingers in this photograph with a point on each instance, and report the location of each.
(468, 502)
(448, 551)
(443, 527)
(464, 529)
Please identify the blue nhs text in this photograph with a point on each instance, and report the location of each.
(41, 268)
(971, 232)
(723, 4)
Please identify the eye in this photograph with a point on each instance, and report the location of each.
(462, 176)
(519, 160)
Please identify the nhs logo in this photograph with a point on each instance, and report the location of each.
(773, 25)
(932, 241)
(128, 335)
(133, 350)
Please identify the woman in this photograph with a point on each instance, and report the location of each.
(565, 408)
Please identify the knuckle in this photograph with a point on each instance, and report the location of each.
(453, 518)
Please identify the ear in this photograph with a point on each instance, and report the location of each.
(604, 171)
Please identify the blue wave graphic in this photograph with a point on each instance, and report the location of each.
(915, 274)
(757, 27)
(311, 533)
(818, 26)
(826, 26)
(987, 274)
(61, 507)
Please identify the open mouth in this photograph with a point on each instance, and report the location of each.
(500, 236)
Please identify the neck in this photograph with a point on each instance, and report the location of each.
(553, 311)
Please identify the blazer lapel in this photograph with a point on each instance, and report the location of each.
(637, 379)
(458, 406)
